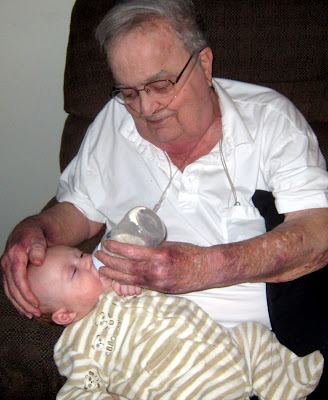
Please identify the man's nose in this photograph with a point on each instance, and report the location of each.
(148, 105)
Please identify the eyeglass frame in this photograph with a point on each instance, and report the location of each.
(118, 90)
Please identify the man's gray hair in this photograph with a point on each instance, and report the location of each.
(129, 14)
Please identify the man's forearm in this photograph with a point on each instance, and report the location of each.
(294, 248)
(64, 224)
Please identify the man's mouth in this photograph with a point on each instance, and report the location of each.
(158, 121)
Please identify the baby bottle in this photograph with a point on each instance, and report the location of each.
(139, 226)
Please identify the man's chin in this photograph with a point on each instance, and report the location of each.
(164, 140)
(160, 132)
(163, 134)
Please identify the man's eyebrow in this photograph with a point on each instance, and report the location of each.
(157, 76)
(152, 78)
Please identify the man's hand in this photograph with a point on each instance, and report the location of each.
(294, 248)
(171, 267)
(25, 244)
(61, 224)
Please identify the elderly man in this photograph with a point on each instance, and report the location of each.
(195, 149)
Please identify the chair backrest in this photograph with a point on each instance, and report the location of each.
(281, 44)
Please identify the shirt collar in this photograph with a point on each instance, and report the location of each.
(235, 131)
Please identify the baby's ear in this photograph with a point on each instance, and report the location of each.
(63, 317)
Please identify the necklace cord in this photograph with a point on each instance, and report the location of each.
(160, 201)
(233, 189)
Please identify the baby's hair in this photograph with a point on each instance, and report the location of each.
(46, 315)
(46, 318)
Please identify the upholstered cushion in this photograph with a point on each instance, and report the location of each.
(27, 369)
(280, 44)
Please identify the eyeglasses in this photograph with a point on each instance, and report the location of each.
(157, 89)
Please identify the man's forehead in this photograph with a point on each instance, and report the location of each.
(145, 67)
(156, 27)
(152, 44)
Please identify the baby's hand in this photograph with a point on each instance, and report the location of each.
(125, 290)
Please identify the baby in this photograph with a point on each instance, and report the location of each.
(157, 346)
(68, 285)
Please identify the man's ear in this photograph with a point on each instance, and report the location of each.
(63, 317)
(206, 61)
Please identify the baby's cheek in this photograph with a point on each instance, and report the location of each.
(105, 282)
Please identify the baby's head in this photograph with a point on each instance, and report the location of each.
(67, 284)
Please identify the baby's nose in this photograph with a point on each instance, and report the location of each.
(86, 262)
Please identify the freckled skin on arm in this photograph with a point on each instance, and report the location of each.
(295, 248)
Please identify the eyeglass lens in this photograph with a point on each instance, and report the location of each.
(157, 89)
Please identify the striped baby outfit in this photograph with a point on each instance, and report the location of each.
(156, 346)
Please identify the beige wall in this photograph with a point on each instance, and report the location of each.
(33, 39)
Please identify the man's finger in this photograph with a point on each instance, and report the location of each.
(130, 251)
(37, 252)
(122, 278)
(20, 304)
(21, 282)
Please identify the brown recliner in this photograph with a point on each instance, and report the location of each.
(275, 43)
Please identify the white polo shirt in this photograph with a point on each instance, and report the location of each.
(267, 145)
